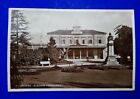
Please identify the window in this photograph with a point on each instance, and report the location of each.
(90, 41)
(70, 41)
(77, 42)
(100, 41)
(63, 41)
(83, 41)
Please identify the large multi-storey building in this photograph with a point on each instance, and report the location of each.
(81, 44)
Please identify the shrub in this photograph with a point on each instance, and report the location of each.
(72, 69)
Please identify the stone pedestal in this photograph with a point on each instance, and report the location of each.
(112, 61)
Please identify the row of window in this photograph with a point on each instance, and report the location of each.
(83, 41)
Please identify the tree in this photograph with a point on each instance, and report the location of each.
(18, 39)
(64, 53)
(18, 26)
(53, 51)
(123, 43)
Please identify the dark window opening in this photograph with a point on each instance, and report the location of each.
(70, 41)
(63, 41)
(77, 42)
(100, 41)
(83, 41)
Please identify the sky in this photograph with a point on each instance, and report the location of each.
(43, 21)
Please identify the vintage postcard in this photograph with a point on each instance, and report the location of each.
(71, 50)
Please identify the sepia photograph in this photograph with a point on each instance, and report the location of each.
(71, 50)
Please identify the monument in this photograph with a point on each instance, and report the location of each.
(111, 60)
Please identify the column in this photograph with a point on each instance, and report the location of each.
(67, 55)
(87, 53)
(95, 54)
(109, 52)
(111, 48)
(80, 54)
(87, 56)
(73, 54)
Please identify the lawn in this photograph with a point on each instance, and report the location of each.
(89, 78)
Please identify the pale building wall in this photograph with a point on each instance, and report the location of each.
(95, 39)
(80, 38)
(100, 37)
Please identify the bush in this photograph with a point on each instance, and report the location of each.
(72, 69)
(29, 71)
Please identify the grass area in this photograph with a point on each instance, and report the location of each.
(89, 78)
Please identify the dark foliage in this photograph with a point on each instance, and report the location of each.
(123, 43)
(19, 42)
(53, 51)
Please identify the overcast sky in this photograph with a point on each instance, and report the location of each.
(43, 21)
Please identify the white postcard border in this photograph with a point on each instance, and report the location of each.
(70, 89)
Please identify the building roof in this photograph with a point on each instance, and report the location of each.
(84, 46)
(68, 32)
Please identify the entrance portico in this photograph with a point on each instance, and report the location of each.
(85, 52)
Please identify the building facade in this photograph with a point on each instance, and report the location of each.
(81, 44)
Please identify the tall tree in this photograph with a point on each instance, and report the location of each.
(53, 51)
(18, 39)
(123, 43)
